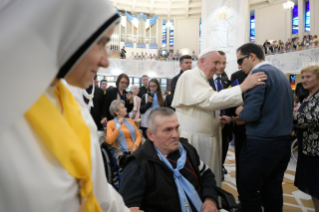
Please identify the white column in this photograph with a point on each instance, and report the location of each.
(301, 19)
(225, 26)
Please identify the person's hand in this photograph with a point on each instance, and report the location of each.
(129, 96)
(135, 209)
(150, 99)
(253, 80)
(134, 148)
(238, 121)
(104, 120)
(82, 202)
(238, 110)
(225, 119)
(209, 205)
(120, 121)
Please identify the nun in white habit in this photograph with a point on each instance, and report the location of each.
(49, 156)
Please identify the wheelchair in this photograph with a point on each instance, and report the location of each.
(113, 172)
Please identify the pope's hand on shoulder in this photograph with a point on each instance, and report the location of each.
(253, 80)
(209, 205)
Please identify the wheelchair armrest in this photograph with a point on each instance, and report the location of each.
(228, 198)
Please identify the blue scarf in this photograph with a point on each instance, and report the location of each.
(155, 102)
(184, 187)
(121, 140)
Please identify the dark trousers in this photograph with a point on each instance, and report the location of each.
(240, 139)
(262, 166)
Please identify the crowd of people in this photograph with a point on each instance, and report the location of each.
(294, 44)
(50, 145)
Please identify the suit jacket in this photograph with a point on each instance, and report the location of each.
(174, 81)
(111, 95)
(227, 130)
(142, 91)
(238, 130)
(97, 109)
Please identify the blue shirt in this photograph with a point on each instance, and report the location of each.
(268, 108)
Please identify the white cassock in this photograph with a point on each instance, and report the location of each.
(33, 180)
(197, 109)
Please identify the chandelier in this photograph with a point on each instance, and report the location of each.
(288, 5)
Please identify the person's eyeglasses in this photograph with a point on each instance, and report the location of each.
(240, 60)
(153, 86)
(126, 83)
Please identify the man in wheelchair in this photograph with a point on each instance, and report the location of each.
(166, 173)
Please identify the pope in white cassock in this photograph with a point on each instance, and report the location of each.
(50, 158)
(197, 108)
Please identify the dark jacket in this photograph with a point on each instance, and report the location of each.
(98, 102)
(308, 117)
(268, 108)
(227, 129)
(149, 184)
(142, 91)
(174, 82)
(238, 130)
(109, 97)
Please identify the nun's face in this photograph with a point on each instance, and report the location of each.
(83, 73)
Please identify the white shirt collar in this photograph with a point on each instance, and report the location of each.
(261, 64)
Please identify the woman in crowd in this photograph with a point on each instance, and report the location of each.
(53, 146)
(150, 101)
(306, 121)
(135, 114)
(118, 93)
(122, 132)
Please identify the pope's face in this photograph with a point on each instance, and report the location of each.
(85, 70)
(211, 64)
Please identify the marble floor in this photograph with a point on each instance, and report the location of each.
(294, 200)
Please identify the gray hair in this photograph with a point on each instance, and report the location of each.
(114, 107)
(161, 111)
(133, 86)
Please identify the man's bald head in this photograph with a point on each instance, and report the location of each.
(209, 63)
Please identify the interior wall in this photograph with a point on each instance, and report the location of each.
(270, 23)
(186, 34)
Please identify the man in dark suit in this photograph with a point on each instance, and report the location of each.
(98, 104)
(143, 89)
(219, 82)
(239, 129)
(185, 63)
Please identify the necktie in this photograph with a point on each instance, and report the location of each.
(219, 85)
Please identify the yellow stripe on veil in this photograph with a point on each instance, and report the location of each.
(68, 138)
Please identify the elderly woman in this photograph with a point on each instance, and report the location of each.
(135, 114)
(121, 131)
(307, 122)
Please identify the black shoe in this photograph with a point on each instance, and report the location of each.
(225, 171)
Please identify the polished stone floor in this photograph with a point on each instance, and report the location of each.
(294, 200)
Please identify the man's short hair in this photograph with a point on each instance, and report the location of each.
(182, 58)
(248, 48)
(221, 53)
(103, 80)
(145, 76)
(161, 111)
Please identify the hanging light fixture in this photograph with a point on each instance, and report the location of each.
(288, 5)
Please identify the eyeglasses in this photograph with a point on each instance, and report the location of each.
(123, 82)
(153, 86)
(240, 60)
